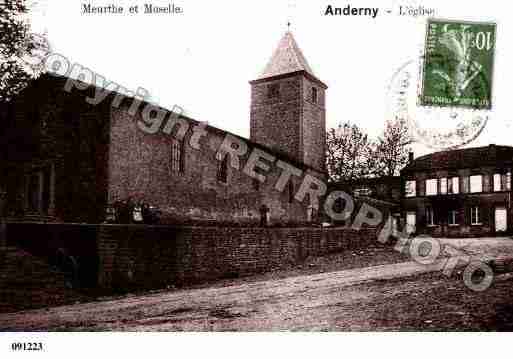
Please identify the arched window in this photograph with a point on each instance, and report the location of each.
(177, 156)
(314, 95)
(222, 170)
(291, 191)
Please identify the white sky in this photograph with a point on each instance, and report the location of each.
(202, 60)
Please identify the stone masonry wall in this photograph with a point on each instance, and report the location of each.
(313, 126)
(275, 122)
(140, 169)
(49, 126)
(152, 257)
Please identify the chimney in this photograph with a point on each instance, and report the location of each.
(410, 157)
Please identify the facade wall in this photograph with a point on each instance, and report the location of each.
(313, 122)
(462, 202)
(140, 169)
(276, 122)
(56, 141)
(291, 123)
(77, 158)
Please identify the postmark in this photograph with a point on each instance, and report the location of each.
(458, 64)
(444, 94)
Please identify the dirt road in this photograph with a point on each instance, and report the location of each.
(346, 300)
(399, 296)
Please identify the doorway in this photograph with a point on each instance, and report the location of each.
(501, 219)
(411, 222)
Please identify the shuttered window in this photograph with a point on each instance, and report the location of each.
(476, 184)
(474, 215)
(431, 187)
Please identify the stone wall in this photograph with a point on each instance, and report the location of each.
(275, 121)
(66, 160)
(113, 258)
(155, 256)
(140, 169)
(290, 124)
(59, 135)
(313, 124)
(28, 282)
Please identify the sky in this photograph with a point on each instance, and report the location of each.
(203, 59)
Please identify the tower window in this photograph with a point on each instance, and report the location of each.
(291, 191)
(273, 91)
(177, 156)
(222, 170)
(314, 94)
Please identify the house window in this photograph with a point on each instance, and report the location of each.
(291, 191)
(177, 156)
(443, 185)
(476, 184)
(314, 94)
(222, 170)
(430, 216)
(409, 189)
(273, 91)
(452, 218)
(474, 215)
(39, 191)
(454, 185)
(508, 181)
(497, 186)
(431, 187)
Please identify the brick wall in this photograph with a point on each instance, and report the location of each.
(155, 256)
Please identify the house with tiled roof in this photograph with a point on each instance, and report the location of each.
(459, 193)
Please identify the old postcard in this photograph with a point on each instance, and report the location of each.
(270, 166)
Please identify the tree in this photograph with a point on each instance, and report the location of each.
(21, 51)
(349, 153)
(390, 153)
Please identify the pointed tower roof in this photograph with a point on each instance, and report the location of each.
(286, 58)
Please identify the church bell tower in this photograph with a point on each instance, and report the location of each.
(288, 107)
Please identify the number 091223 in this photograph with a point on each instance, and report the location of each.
(29, 346)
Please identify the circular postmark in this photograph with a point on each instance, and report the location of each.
(439, 127)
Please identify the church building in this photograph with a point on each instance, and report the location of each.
(66, 160)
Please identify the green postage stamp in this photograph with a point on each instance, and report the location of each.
(458, 64)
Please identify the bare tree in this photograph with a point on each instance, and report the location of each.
(349, 153)
(390, 152)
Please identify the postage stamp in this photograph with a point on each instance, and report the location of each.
(458, 64)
